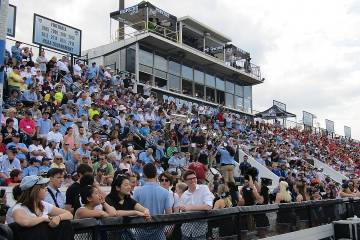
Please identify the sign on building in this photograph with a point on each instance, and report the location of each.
(56, 35)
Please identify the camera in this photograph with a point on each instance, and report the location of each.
(266, 181)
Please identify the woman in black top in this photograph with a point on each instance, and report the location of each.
(119, 197)
(8, 132)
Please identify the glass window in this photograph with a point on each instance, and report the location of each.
(220, 84)
(210, 94)
(130, 60)
(144, 77)
(174, 82)
(199, 76)
(160, 83)
(229, 100)
(143, 68)
(220, 97)
(247, 105)
(174, 68)
(199, 91)
(210, 80)
(160, 74)
(247, 92)
(187, 87)
(112, 60)
(160, 63)
(239, 103)
(146, 58)
(239, 90)
(229, 87)
(187, 72)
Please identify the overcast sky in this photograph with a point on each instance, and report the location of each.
(308, 50)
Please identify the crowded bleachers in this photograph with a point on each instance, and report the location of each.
(85, 126)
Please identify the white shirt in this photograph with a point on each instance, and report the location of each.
(62, 66)
(202, 195)
(33, 147)
(77, 70)
(47, 209)
(55, 136)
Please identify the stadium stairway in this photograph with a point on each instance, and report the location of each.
(264, 172)
(329, 171)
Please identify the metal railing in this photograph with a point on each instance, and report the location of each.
(249, 222)
(132, 30)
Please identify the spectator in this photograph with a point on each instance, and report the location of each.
(31, 210)
(9, 162)
(16, 53)
(53, 195)
(15, 81)
(16, 191)
(245, 165)
(44, 126)
(165, 180)
(33, 168)
(196, 198)
(151, 195)
(9, 131)
(27, 126)
(72, 193)
(72, 164)
(55, 135)
(227, 162)
(120, 198)
(15, 178)
(58, 161)
(36, 149)
(29, 96)
(104, 167)
(42, 61)
(94, 204)
(146, 156)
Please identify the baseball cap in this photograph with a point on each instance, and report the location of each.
(30, 181)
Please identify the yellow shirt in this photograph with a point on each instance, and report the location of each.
(15, 80)
(59, 96)
(92, 112)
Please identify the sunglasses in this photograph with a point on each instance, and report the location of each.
(164, 180)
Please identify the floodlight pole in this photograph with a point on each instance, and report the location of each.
(4, 8)
(121, 24)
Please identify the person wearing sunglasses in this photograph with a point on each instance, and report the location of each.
(33, 218)
(165, 180)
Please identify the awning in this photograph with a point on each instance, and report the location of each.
(273, 113)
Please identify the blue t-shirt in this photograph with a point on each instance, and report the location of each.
(144, 157)
(153, 197)
(44, 125)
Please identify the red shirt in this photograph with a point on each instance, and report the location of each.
(27, 125)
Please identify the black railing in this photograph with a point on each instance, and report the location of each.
(250, 222)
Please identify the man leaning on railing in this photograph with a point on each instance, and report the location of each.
(196, 198)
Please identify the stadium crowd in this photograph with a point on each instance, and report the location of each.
(83, 127)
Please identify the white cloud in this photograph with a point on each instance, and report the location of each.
(308, 50)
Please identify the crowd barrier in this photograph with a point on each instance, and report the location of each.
(248, 222)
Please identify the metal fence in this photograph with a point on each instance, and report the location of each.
(250, 222)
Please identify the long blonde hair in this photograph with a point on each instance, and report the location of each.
(284, 194)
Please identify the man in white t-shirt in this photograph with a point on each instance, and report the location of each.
(55, 135)
(196, 198)
(36, 149)
(77, 69)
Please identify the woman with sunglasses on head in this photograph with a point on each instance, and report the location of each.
(94, 204)
(120, 198)
(33, 218)
(165, 180)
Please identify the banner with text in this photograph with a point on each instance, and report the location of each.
(56, 35)
(11, 21)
